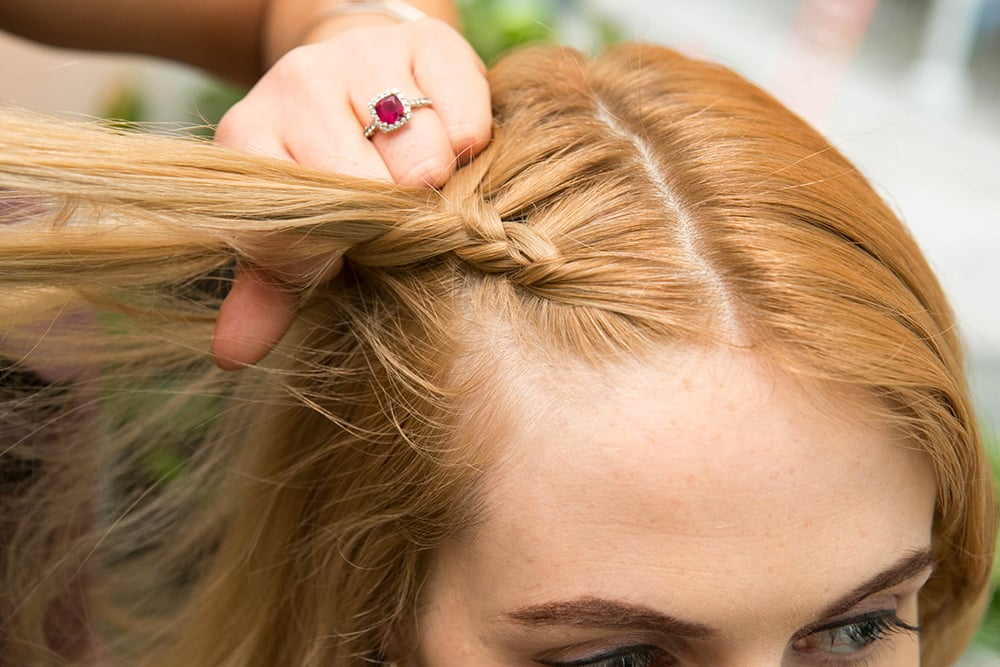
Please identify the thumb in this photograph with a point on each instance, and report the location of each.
(255, 315)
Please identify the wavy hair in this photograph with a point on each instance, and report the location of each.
(286, 514)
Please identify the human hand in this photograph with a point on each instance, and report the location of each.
(312, 108)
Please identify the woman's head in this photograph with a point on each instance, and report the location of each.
(638, 212)
(659, 345)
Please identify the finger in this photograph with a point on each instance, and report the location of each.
(332, 140)
(419, 152)
(451, 74)
(248, 128)
(254, 316)
(287, 116)
(314, 131)
(257, 311)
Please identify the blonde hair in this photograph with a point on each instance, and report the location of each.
(287, 514)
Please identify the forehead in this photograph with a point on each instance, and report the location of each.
(703, 471)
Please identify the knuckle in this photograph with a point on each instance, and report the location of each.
(352, 41)
(293, 67)
(432, 25)
(228, 130)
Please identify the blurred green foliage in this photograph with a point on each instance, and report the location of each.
(211, 101)
(989, 631)
(494, 26)
(126, 104)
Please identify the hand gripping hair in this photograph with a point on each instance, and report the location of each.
(286, 514)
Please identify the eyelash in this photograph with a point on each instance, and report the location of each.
(870, 628)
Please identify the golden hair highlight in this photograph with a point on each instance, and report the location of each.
(287, 514)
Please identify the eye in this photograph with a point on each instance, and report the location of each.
(632, 656)
(851, 637)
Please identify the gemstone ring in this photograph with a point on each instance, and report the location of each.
(390, 111)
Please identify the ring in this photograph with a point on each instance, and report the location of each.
(390, 111)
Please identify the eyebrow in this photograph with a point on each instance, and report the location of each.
(904, 569)
(593, 612)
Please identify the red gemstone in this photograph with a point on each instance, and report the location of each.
(389, 109)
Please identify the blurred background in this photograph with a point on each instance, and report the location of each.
(907, 89)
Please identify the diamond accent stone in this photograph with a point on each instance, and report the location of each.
(390, 111)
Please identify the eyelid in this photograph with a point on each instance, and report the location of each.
(598, 657)
(852, 620)
(601, 649)
(910, 586)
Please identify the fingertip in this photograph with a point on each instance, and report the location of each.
(224, 358)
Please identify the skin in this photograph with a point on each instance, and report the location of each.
(705, 486)
(299, 112)
(316, 74)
